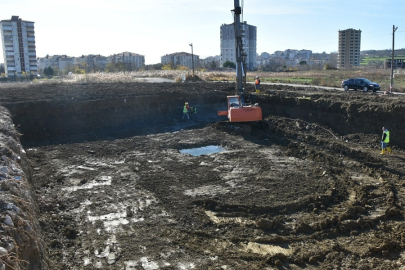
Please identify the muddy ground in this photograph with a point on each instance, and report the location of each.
(309, 192)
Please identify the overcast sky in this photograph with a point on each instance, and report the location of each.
(154, 28)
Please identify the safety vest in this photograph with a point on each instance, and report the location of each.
(257, 81)
(387, 137)
(185, 109)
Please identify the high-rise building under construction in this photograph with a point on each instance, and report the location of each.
(18, 45)
(349, 48)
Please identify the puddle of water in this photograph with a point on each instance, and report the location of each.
(206, 150)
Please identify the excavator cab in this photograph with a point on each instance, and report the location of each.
(238, 112)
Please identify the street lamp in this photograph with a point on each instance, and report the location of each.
(192, 56)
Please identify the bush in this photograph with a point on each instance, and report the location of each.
(229, 64)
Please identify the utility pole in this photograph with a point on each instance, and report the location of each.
(392, 58)
(192, 56)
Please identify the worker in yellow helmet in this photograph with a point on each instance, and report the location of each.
(186, 110)
(385, 139)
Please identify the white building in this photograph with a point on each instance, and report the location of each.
(90, 63)
(130, 60)
(249, 37)
(56, 62)
(211, 62)
(18, 44)
(181, 59)
(304, 55)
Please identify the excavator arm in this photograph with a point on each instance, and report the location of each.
(240, 107)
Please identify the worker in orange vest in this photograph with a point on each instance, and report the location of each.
(257, 84)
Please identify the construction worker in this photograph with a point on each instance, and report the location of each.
(385, 139)
(186, 110)
(257, 84)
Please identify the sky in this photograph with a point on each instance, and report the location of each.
(154, 28)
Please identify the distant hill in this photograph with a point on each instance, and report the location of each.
(382, 53)
(377, 57)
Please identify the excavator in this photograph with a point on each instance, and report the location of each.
(241, 106)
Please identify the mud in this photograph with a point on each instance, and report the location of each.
(311, 191)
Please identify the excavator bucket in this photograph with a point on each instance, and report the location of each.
(237, 112)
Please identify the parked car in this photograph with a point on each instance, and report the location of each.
(360, 83)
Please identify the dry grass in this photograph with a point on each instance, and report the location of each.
(332, 78)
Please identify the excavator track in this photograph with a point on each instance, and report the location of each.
(248, 128)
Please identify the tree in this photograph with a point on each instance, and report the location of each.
(153, 66)
(229, 64)
(48, 71)
(114, 67)
(110, 67)
(167, 67)
(79, 70)
(68, 68)
(328, 66)
(2, 70)
(272, 65)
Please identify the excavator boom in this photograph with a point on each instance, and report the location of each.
(240, 107)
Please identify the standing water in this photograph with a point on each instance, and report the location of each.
(211, 149)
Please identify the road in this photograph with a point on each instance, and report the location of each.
(322, 87)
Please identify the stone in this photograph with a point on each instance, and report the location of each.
(111, 258)
(8, 221)
(3, 251)
(4, 169)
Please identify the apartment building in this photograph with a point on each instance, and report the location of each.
(130, 60)
(349, 48)
(211, 62)
(90, 63)
(181, 59)
(249, 38)
(18, 44)
(398, 63)
(56, 62)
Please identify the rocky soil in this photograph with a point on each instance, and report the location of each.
(311, 191)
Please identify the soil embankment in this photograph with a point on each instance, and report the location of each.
(114, 192)
(21, 245)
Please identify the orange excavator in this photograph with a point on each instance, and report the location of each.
(241, 107)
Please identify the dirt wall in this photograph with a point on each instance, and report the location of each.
(345, 113)
(21, 246)
(83, 112)
(133, 113)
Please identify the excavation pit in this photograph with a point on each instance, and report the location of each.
(114, 192)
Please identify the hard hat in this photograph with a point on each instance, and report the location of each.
(186, 103)
(257, 77)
